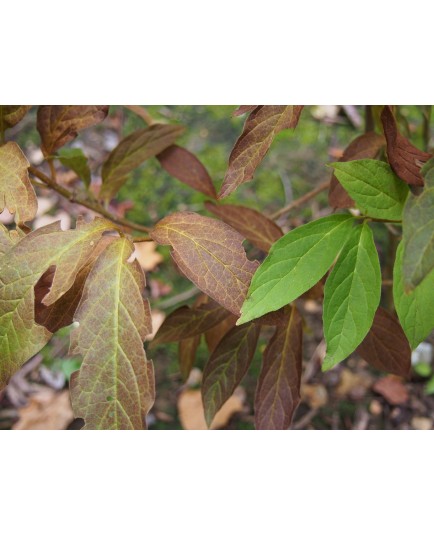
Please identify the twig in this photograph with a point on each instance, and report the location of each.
(301, 200)
(92, 205)
(170, 302)
(305, 420)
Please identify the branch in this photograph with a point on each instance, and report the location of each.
(301, 200)
(92, 205)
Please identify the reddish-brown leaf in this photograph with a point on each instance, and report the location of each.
(187, 322)
(386, 347)
(214, 335)
(367, 145)
(392, 389)
(257, 228)
(187, 354)
(404, 158)
(185, 167)
(132, 151)
(227, 366)
(260, 128)
(210, 253)
(241, 110)
(59, 124)
(278, 391)
(11, 115)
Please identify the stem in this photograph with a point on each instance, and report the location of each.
(426, 126)
(301, 200)
(92, 205)
(369, 119)
(52, 170)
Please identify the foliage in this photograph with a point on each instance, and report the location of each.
(50, 278)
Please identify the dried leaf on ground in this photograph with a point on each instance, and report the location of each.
(147, 255)
(392, 389)
(46, 410)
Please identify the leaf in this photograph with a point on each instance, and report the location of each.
(20, 270)
(16, 192)
(405, 159)
(418, 235)
(295, 263)
(385, 347)
(257, 228)
(9, 238)
(185, 167)
(132, 151)
(392, 389)
(241, 110)
(278, 391)
(210, 254)
(377, 191)
(186, 322)
(61, 313)
(58, 125)
(114, 388)
(11, 115)
(262, 125)
(76, 160)
(227, 366)
(351, 296)
(416, 309)
(367, 145)
(214, 335)
(187, 354)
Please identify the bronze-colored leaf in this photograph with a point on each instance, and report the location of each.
(20, 270)
(11, 115)
(214, 335)
(185, 167)
(405, 159)
(58, 125)
(278, 391)
(367, 145)
(386, 347)
(9, 238)
(257, 228)
(16, 192)
(241, 110)
(227, 366)
(61, 313)
(114, 388)
(260, 128)
(210, 254)
(187, 354)
(132, 151)
(186, 322)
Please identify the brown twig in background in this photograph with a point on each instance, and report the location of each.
(301, 200)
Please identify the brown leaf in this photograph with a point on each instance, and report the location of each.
(241, 110)
(58, 125)
(214, 335)
(404, 158)
(227, 366)
(185, 167)
(386, 347)
(257, 228)
(132, 151)
(260, 128)
(147, 255)
(16, 192)
(191, 412)
(46, 410)
(187, 354)
(210, 253)
(11, 115)
(186, 322)
(367, 145)
(392, 389)
(278, 391)
(114, 388)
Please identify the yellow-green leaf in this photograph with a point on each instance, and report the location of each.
(114, 388)
(16, 192)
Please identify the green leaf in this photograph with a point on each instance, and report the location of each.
(375, 188)
(20, 270)
(416, 309)
(77, 161)
(418, 233)
(295, 263)
(114, 388)
(227, 366)
(351, 296)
